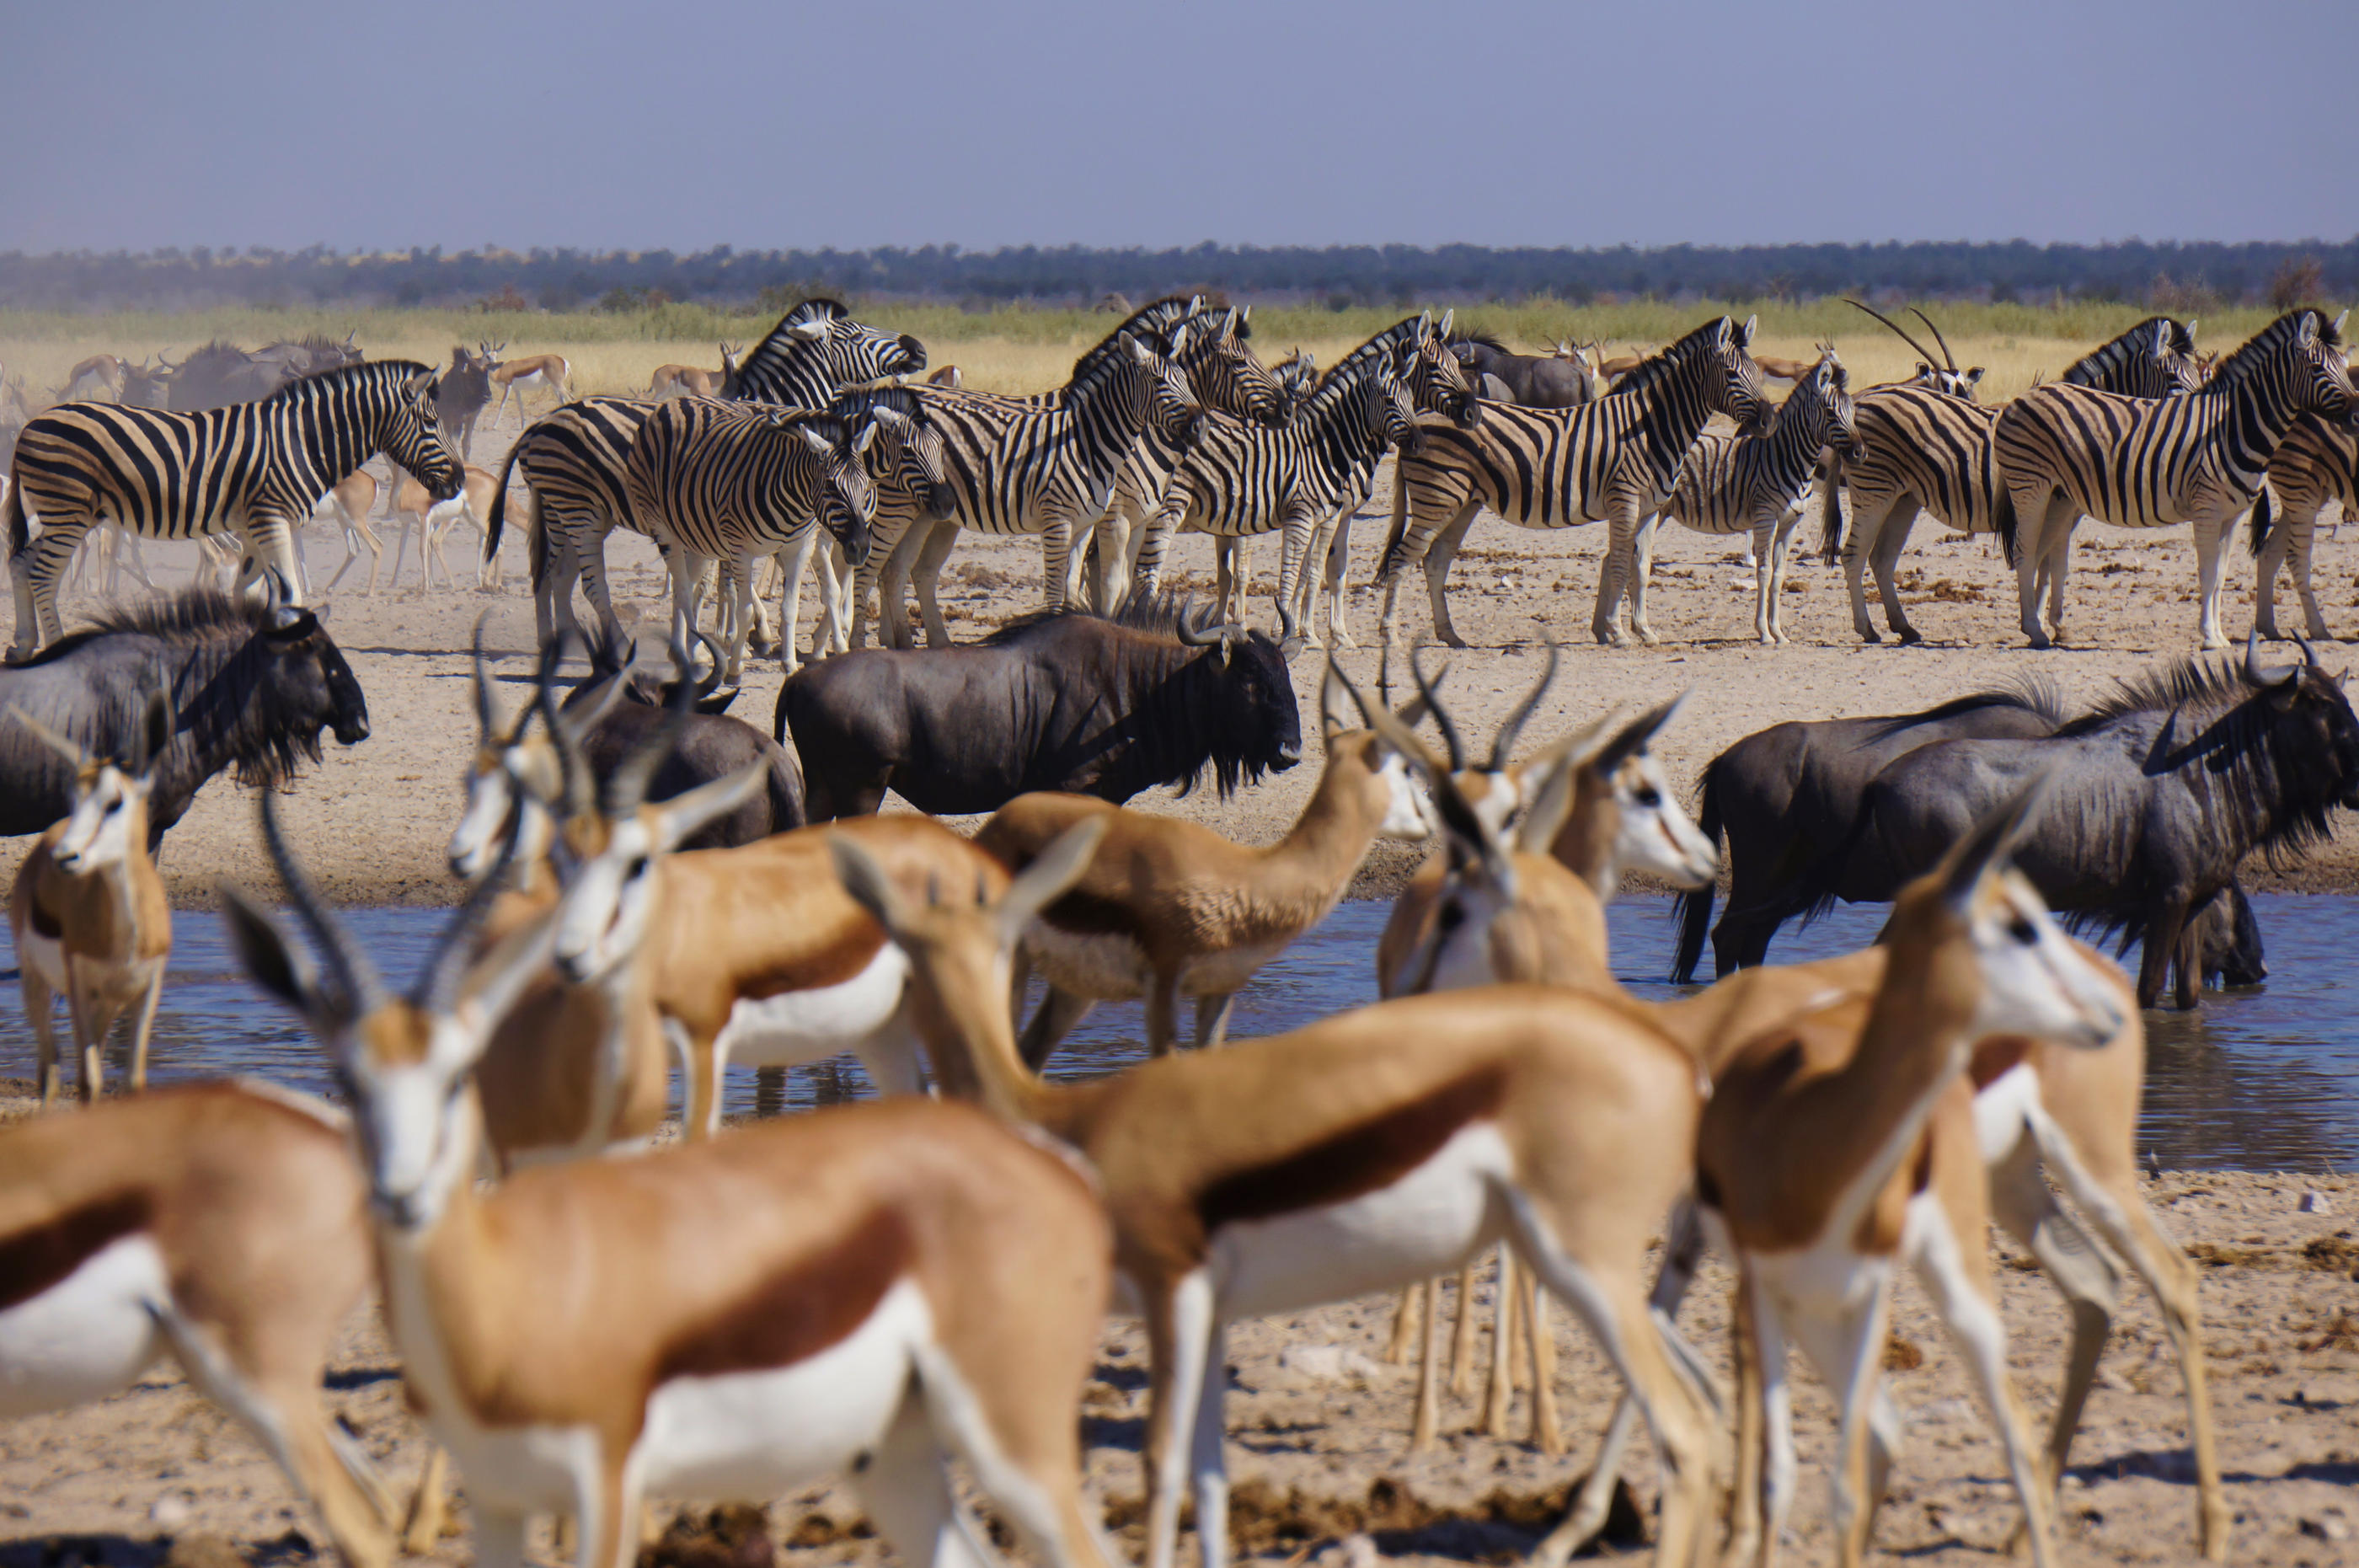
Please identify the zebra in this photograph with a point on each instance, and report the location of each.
(1921, 448)
(1237, 480)
(2318, 463)
(1295, 375)
(573, 459)
(735, 482)
(1039, 466)
(1756, 485)
(1546, 468)
(2069, 451)
(253, 469)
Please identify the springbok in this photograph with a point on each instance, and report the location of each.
(219, 1223)
(548, 372)
(870, 1290)
(101, 374)
(1378, 1147)
(350, 503)
(694, 380)
(1171, 908)
(87, 910)
(435, 519)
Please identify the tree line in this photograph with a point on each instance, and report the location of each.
(2179, 276)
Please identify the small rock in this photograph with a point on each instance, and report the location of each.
(2313, 1201)
(2327, 1527)
(1352, 1551)
(1329, 1363)
(172, 1513)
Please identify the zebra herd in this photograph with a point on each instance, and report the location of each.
(819, 450)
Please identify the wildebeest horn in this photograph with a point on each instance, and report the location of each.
(2258, 676)
(1503, 744)
(1206, 635)
(1922, 352)
(2309, 654)
(1937, 337)
(74, 755)
(1426, 691)
(627, 786)
(487, 714)
(363, 991)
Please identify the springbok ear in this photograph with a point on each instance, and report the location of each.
(1991, 843)
(276, 963)
(870, 887)
(1333, 683)
(1635, 735)
(1052, 872)
(684, 816)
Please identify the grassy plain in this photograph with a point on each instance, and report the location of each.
(1021, 349)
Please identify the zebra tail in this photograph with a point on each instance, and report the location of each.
(1693, 910)
(497, 522)
(1830, 519)
(16, 518)
(2004, 519)
(2260, 520)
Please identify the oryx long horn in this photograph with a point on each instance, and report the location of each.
(348, 967)
(1937, 337)
(1425, 689)
(577, 788)
(1921, 349)
(1503, 744)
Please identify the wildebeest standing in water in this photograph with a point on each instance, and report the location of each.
(251, 685)
(1060, 699)
(2159, 794)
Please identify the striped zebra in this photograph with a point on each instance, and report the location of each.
(573, 461)
(254, 470)
(2318, 463)
(1920, 449)
(1239, 480)
(716, 482)
(1754, 484)
(1614, 460)
(2070, 451)
(1040, 466)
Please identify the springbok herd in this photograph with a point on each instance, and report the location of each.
(883, 1289)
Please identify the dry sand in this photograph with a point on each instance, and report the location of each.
(372, 819)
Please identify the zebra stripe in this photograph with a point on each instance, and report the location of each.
(1614, 460)
(573, 461)
(2318, 463)
(2155, 358)
(1238, 480)
(1756, 485)
(1030, 467)
(2071, 451)
(254, 470)
(722, 482)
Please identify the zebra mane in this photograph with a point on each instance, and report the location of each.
(769, 348)
(345, 374)
(1158, 316)
(1659, 367)
(2266, 342)
(1390, 340)
(2090, 368)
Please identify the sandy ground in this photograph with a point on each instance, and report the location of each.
(373, 818)
(1321, 1456)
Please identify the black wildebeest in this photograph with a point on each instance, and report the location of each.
(2159, 793)
(1060, 699)
(1787, 795)
(220, 373)
(1532, 380)
(251, 685)
(461, 395)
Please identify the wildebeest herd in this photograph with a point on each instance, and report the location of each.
(875, 1290)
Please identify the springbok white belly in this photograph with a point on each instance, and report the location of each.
(1110, 967)
(1426, 1222)
(796, 1027)
(2003, 1110)
(86, 1336)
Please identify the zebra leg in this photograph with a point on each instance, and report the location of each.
(2304, 533)
(1885, 561)
(269, 546)
(893, 579)
(1614, 575)
(2059, 564)
(1059, 574)
(2032, 504)
(1642, 569)
(797, 555)
(1765, 564)
(34, 575)
(1438, 554)
(1338, 556)
(2210, 532)
(1293, 559)
(589, 563)
(686, 586)
(1783, 544)
(939, 542)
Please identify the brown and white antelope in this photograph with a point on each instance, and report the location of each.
(1169, 908)
(435, 519)
(87, 910)
(694, 380)
(546, 372)
(219, 1223)
(870, 1290)
(350, 503)
(100, 375)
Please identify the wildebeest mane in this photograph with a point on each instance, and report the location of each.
(1458, 334)
(1163, 725)
(2033, 694)
(1658, 367)
(214, 653)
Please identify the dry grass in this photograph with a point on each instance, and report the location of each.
(1024, 350)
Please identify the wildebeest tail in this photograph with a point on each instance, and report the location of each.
(2260, 535)
(2003, 518)
(1693, 910)
(787, 809)
(15, 518)
(497, 521)
(1831, 518)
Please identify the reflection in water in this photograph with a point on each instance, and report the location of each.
(2266, 1079)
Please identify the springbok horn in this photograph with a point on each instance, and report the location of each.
(1335, 672)
(1425, 689)
(1458, 814)
(74, 755)
(577, 788)
(487, 715)
(348, 967)
(2254, 673)
(627, 786)
(1922, 350)
(454, 949)
(1937, 338)
(1503, 744)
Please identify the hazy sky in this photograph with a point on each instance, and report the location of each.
(609, 125)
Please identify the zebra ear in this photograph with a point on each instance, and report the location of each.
(2161, 339)
(860, 443)
(1145, 355)
(2306, 334)
(1447, 317)
(2340, 320)
(2190, 330)
(812, 330)
(817, 439)
(422, 384)
(1744, 333)
(891, 419)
